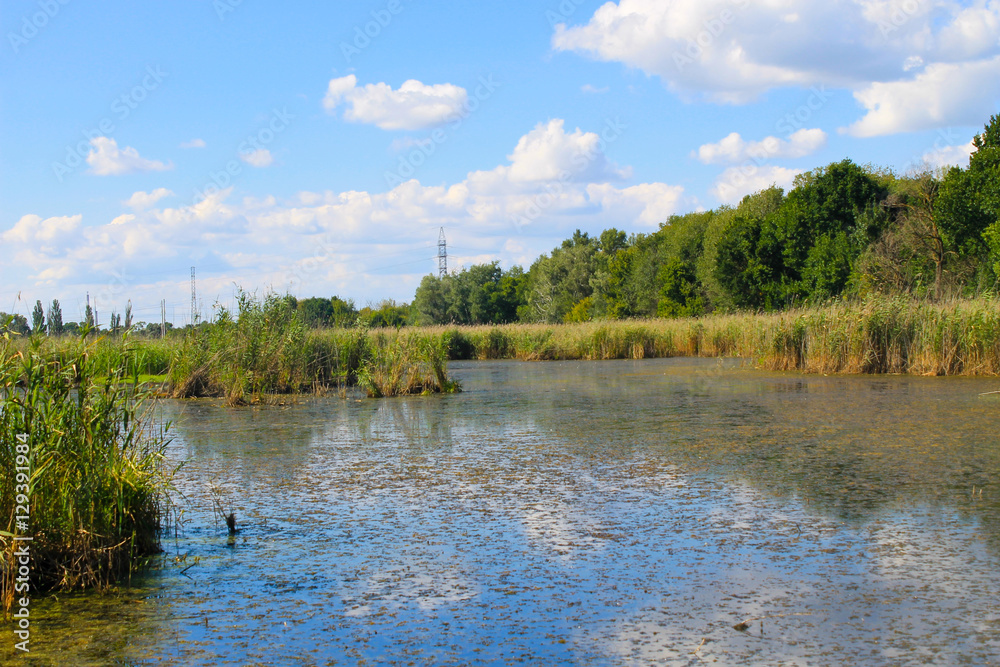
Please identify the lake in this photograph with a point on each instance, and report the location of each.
(679, 511)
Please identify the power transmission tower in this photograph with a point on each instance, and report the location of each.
(442, 255)
(194, 301)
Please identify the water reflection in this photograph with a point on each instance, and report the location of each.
(584, 513)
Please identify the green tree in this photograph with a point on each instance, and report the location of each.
(315, 312)
(38, 319)
(431, 300)
(14, 324)
(679, 293)
(55, 321)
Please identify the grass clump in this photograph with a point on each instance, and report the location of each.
(96, 489)
(404, 364)
(265, 350)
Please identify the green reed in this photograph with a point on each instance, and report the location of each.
(97, 486)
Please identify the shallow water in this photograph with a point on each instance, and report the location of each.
(606, 513)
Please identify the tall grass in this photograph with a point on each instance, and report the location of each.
(877, 335)
(97, 486)
(264, 350)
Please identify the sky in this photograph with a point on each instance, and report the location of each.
(317, 148)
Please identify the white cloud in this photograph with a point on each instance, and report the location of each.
(593, 90)
(549, 153)
(194, 143)
(259, 158)
(943, 94)
(949, 156)
(414, 106)
(732, 51)
(529, 199)
(106, 159)
(737, 182)
(143, 200)
(33, 228)
(734, 148)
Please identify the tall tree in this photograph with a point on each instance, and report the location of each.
(38, 319)
(55, 319)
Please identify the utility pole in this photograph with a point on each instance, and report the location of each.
(194, 301)
(442, 255)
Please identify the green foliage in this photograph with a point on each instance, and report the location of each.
(679, 296)
(55, 321)
(582, 311)
(480, 294)
(38, 319)
(317, 312)
(14, 325)
(97, 487)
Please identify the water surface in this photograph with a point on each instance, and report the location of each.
(604, 513)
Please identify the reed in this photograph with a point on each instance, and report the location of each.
(97, 487)
(265, 350)
(875, 335)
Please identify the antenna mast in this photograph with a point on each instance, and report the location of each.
(442, 255)
(194, 301)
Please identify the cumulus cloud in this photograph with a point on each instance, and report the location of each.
(732, 51)
(949, 156)
(943, 94)
(106, 159)
(259, 158)
(734, 148)
(143, 200)
(194, 143)
(414, 106)
(549, 153)
(34, 228)
(553, 182)
(737, 182)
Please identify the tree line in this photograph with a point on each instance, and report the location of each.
(843, 230)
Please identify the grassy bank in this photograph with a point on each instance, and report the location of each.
(80, 454)
(873, 336)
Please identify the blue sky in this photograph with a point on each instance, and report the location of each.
(316, 148)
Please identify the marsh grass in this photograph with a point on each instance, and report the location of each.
(877, 335)
(264, 351)
(405, 363)
(97, 485)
